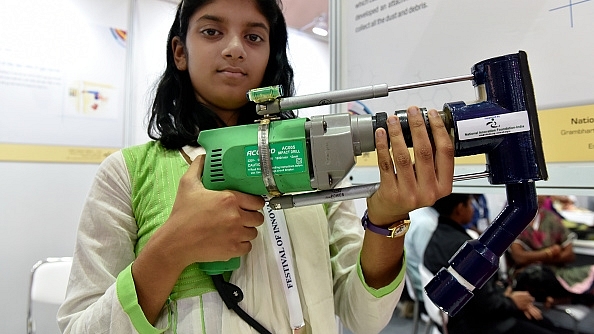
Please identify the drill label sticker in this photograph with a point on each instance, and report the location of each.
(286, 158)
(493, 125)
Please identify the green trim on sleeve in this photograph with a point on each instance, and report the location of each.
(326, 207)
(381, 292)
(126, 292)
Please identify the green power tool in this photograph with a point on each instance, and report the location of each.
(275, 157)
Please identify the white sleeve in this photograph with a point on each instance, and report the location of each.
(104, 247)
(359, 308)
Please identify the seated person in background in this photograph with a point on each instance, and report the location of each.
(423, 223)
(493, 309)
(541, 256)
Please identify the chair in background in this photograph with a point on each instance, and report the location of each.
(49, 279)
(413, 295)
(436, 316)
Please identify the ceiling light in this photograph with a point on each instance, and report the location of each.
(318, 26)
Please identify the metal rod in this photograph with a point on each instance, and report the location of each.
(324, 196)
(359, 93)
(431, 83)
(343, 194)
(473, 176)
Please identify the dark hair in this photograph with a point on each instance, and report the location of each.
(446, 205)
(176, 116)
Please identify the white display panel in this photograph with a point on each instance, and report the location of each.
(398, 42)
(62, 72)
(403, 41)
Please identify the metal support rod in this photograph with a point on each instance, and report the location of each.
(472, 176)
(343, 194)
(359, 93)
(431, 83)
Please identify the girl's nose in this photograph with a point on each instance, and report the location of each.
(234, 48)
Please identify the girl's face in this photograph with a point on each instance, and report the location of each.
(226, 53)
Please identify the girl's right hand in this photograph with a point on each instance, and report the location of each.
(207, 225)
(203, 226)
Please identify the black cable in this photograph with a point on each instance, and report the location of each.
(231, 296)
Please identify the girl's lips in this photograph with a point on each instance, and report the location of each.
(234, 72)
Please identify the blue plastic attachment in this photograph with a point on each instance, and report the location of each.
(514, 157)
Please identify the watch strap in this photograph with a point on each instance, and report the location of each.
(397, 229)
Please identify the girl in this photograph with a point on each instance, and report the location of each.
(148, 219)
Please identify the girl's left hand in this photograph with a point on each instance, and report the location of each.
(404, 185)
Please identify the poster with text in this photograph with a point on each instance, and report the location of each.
(62, 76)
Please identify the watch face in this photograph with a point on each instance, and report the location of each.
(400, 229)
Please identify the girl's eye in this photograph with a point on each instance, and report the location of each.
(254, 38)
(210, 32)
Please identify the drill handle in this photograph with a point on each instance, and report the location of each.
(219, 267)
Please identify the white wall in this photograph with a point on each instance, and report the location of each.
(311, 62)
(39, 209)
(151, 26)
(40, 203)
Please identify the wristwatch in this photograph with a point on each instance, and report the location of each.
(397, 229)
